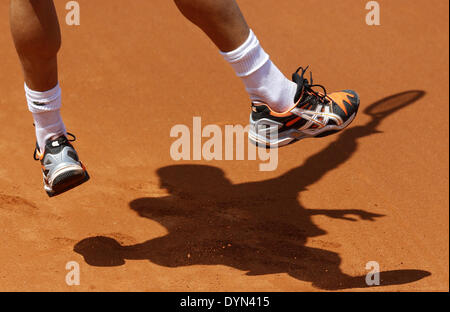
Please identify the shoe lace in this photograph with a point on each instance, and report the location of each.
(62, 139)
(305, 87)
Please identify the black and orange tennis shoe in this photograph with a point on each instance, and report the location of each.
(313, 114)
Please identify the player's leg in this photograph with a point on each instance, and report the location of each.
(36, 34)
(224, 23)
(221, 20)
(293, 108)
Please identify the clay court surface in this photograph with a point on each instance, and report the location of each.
(144, 222)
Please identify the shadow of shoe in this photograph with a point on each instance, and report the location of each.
(100, 251)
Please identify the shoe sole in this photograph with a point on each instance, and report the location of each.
(291, 135)
(66, 179)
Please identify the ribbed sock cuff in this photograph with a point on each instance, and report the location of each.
(248, 58)
(40, 102)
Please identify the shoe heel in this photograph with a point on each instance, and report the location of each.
(71, 181)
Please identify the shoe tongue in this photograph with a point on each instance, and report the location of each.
(55, 142)
(301, 93)
(300, 86)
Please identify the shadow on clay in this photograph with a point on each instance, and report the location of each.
(258, 227)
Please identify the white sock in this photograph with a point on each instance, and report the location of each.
(262, 79)
(45, 107)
